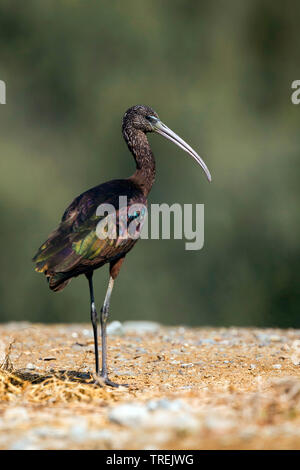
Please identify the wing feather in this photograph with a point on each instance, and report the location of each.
(75, 243)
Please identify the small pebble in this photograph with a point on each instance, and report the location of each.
(115, 328)
(87, 332)
(217, 423)
(295, 358)
(141, 351)
(275, 338)
(141, 327)
(207, 341)
(125, 373)
(128, 414)
(166, 404)
(78, 432)
(296, 344)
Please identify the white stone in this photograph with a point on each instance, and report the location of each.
(141, 327)
(173, 420)
(295, 358)
(128, 414)
(217, 423)
(115, 328)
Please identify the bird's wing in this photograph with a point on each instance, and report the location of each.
(76, 240)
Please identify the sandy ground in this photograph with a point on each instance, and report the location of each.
(188, 388)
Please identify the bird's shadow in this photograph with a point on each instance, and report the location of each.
(65, 375)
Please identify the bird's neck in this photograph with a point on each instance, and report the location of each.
(139, 146)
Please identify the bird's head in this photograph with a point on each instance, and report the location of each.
(145, 119)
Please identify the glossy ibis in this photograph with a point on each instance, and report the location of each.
(75, 248)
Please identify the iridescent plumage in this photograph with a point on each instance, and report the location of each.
(74, 247)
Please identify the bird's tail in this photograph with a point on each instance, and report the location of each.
(58, 282)
(56, 258)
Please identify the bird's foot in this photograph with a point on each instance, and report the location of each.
(104, 380)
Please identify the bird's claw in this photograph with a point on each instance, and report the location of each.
(104, 380)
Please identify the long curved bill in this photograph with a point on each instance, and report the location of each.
(163, 130)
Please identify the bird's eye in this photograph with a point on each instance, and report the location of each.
(151, 118)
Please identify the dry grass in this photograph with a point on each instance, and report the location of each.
(47, 389)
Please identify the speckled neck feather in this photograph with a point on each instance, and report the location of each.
(139, 146)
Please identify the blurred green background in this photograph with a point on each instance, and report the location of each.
(219, 73)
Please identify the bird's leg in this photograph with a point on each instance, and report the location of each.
(94, 319)
(114, 271)
(103, 321)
